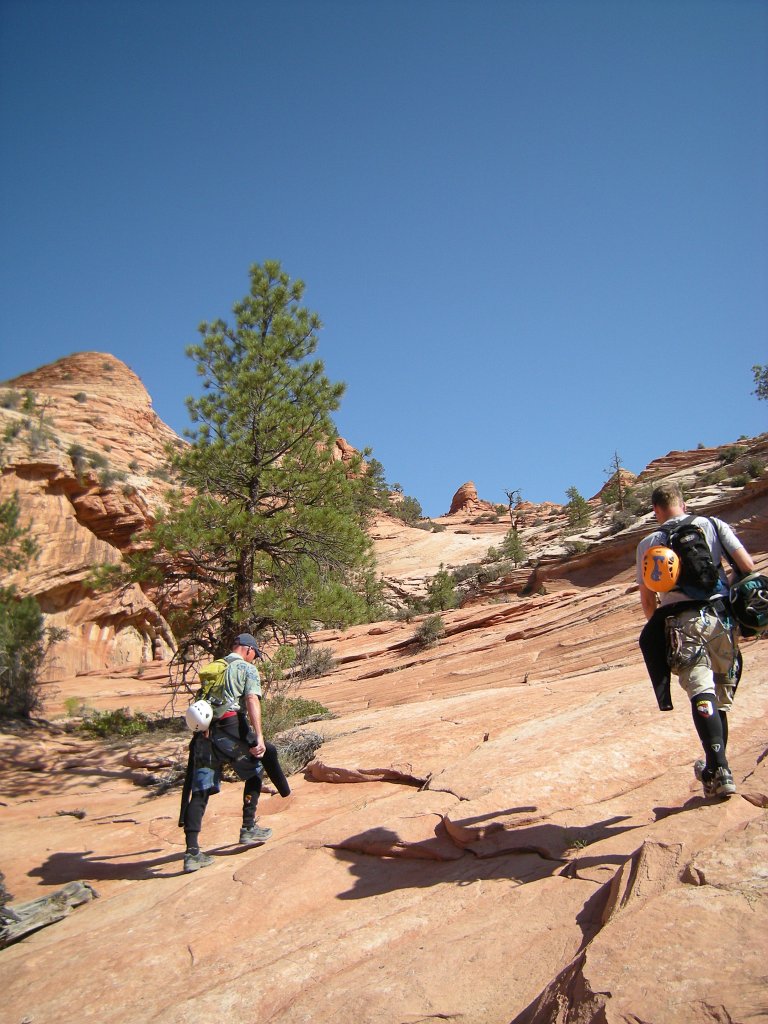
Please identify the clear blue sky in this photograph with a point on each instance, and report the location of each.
(536, 231)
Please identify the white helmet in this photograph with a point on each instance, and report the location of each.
(199, 716)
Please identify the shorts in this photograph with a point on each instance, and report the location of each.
(701, 651)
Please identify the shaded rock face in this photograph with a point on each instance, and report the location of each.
(86, 454)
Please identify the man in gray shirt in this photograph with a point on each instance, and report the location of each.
(701, 638)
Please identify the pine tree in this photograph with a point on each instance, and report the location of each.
(760, 376)
(577, 510)
(441, 591)
(615, 487)
(22, 634)
(272, 538)
(512, 547)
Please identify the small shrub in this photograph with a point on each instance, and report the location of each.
(10, 399)
(441, 591)
(107, 477)
(740, 480)
(97, 460)
(621, 520)
(729, 455)
(75, 706)
(430, 631)
(77, 453)
(120, 722)
(576, 547)
(715, 476)
(465, 571)
(133, 466)
(494, 571)
(281, 712)
(80, 397)
(314, 662)
(755, 468)
(39, 438)
(161, 473)
(297, 748)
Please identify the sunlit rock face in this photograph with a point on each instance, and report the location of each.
(86, 454)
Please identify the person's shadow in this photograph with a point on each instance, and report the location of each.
(89, 866)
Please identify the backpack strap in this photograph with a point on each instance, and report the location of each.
(728, 556)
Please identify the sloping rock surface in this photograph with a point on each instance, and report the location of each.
(502, 828)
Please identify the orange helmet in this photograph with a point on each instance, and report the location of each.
(661, 569)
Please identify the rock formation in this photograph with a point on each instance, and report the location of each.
(465, 501)
(86, 454)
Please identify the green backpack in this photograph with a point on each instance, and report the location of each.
(212, 678)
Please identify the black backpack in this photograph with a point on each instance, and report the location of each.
(698, 573)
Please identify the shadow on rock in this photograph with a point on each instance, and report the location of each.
(382, 863)
(64, 867)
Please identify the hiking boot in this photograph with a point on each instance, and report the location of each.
(723, 782)
(705, 776)
(254, 836)
(195, 861)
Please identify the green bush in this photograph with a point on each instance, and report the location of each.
(120, 722)
(494, 571)
(408, 510)
(441, 591)
(755, 468)
(512, 547)
(282, 712)
(430, 631)
(729, 455)
(107, 477)
(715, 476)
(21, 654)
(463, 572)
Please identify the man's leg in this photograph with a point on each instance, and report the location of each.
(696, 630)
(251, 834)
(194, 859)
(232, 748)
(709, 726)
(251, 793)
